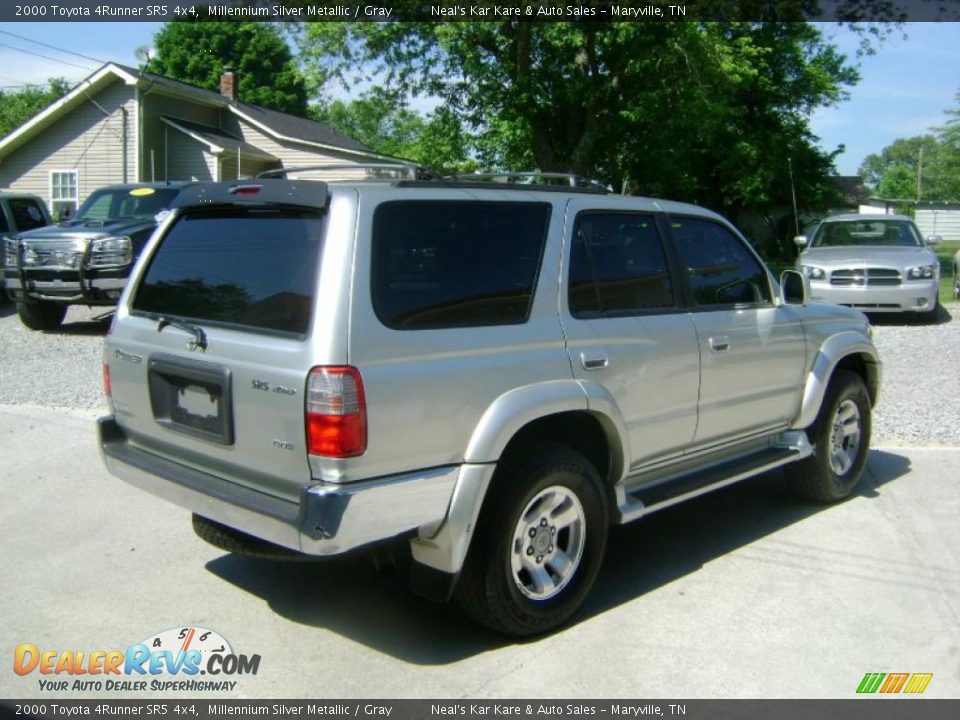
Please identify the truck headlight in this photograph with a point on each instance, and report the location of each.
(111, 251)
(10, 253)
(922, 272)
(813, 272)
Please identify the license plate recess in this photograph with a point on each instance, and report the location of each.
(192, 397)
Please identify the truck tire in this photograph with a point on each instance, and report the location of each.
(41, 315)
(539, 544)
(841, 440)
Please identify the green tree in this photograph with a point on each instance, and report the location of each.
(703, 112)
(437, 141)
(196, 52)
(899, 182)
(18, 106)
(934, 157)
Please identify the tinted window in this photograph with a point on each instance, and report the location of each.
(720, 269)
(251, 268)
(890, 233)
(27, 214)
(456, 263)
(3, 220)
(617, 264)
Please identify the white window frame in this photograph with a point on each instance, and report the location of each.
(55, 202)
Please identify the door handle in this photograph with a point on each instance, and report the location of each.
(721, 343)
(593, 363)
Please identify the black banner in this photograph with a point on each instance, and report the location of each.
(213, 709)
(480, 10)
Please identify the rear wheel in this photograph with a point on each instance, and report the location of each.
(539, 544)
(841, 439)
(41, 315)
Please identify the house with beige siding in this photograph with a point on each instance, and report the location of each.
(123, 125)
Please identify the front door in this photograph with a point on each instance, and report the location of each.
(751, 350)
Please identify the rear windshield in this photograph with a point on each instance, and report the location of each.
(239, 267)
(876, 233)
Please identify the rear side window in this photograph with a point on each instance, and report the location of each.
(447, 264)
(250, 268)
(27, 213)
(617, 266)
(720, 269)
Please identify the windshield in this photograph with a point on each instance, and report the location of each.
(876, 233)
(115, 203)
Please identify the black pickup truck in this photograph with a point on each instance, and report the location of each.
(86, 259)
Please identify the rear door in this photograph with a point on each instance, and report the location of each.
(625, 326)
(210, 354)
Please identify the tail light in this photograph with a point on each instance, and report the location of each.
(336, 412)
(107, 388)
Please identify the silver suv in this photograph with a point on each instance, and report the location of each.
(491, 373)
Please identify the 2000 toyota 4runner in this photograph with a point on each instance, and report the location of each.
(494, 373)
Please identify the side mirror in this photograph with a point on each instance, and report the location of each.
(800, 241)
(794, 288)
(934, 239)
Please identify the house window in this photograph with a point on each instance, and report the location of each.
(63, 192)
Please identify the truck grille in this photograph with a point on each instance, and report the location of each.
(53, 253)
(866, 276)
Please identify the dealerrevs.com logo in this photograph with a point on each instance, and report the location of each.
(172, 660)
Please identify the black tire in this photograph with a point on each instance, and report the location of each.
(40, 315)
(489, 590)
(234, 541)
(930, 316)
(818, 477)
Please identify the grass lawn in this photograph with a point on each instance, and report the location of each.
(945, 252)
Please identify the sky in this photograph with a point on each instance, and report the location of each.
(904, 88)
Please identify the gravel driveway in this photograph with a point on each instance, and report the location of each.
(919, 398)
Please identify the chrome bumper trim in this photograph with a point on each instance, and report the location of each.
(327, 520)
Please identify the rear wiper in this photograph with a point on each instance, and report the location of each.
(200, 337)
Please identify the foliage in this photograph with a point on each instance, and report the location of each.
(18, 106)
(437, 141)
(702, 112)
(939, 170)
(197, 51)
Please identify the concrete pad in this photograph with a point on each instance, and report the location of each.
(747, 592)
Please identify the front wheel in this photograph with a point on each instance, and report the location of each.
(841, 439)
(539, 544)
(41, 315)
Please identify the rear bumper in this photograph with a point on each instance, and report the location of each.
(328, 519)
(912, 295)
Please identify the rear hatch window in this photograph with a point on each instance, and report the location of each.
(247, 268)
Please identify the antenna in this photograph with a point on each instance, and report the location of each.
(144, 53)
(793, 192)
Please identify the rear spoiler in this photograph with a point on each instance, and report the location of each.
(291, 193)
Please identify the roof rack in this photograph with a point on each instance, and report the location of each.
(533, 177)
(410, 170)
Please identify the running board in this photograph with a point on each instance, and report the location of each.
(647, 498)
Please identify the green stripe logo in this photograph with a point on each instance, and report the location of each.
(894, 683)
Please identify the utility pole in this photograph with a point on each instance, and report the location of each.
(920, 175)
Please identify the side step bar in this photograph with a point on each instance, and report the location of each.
(647, 498)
